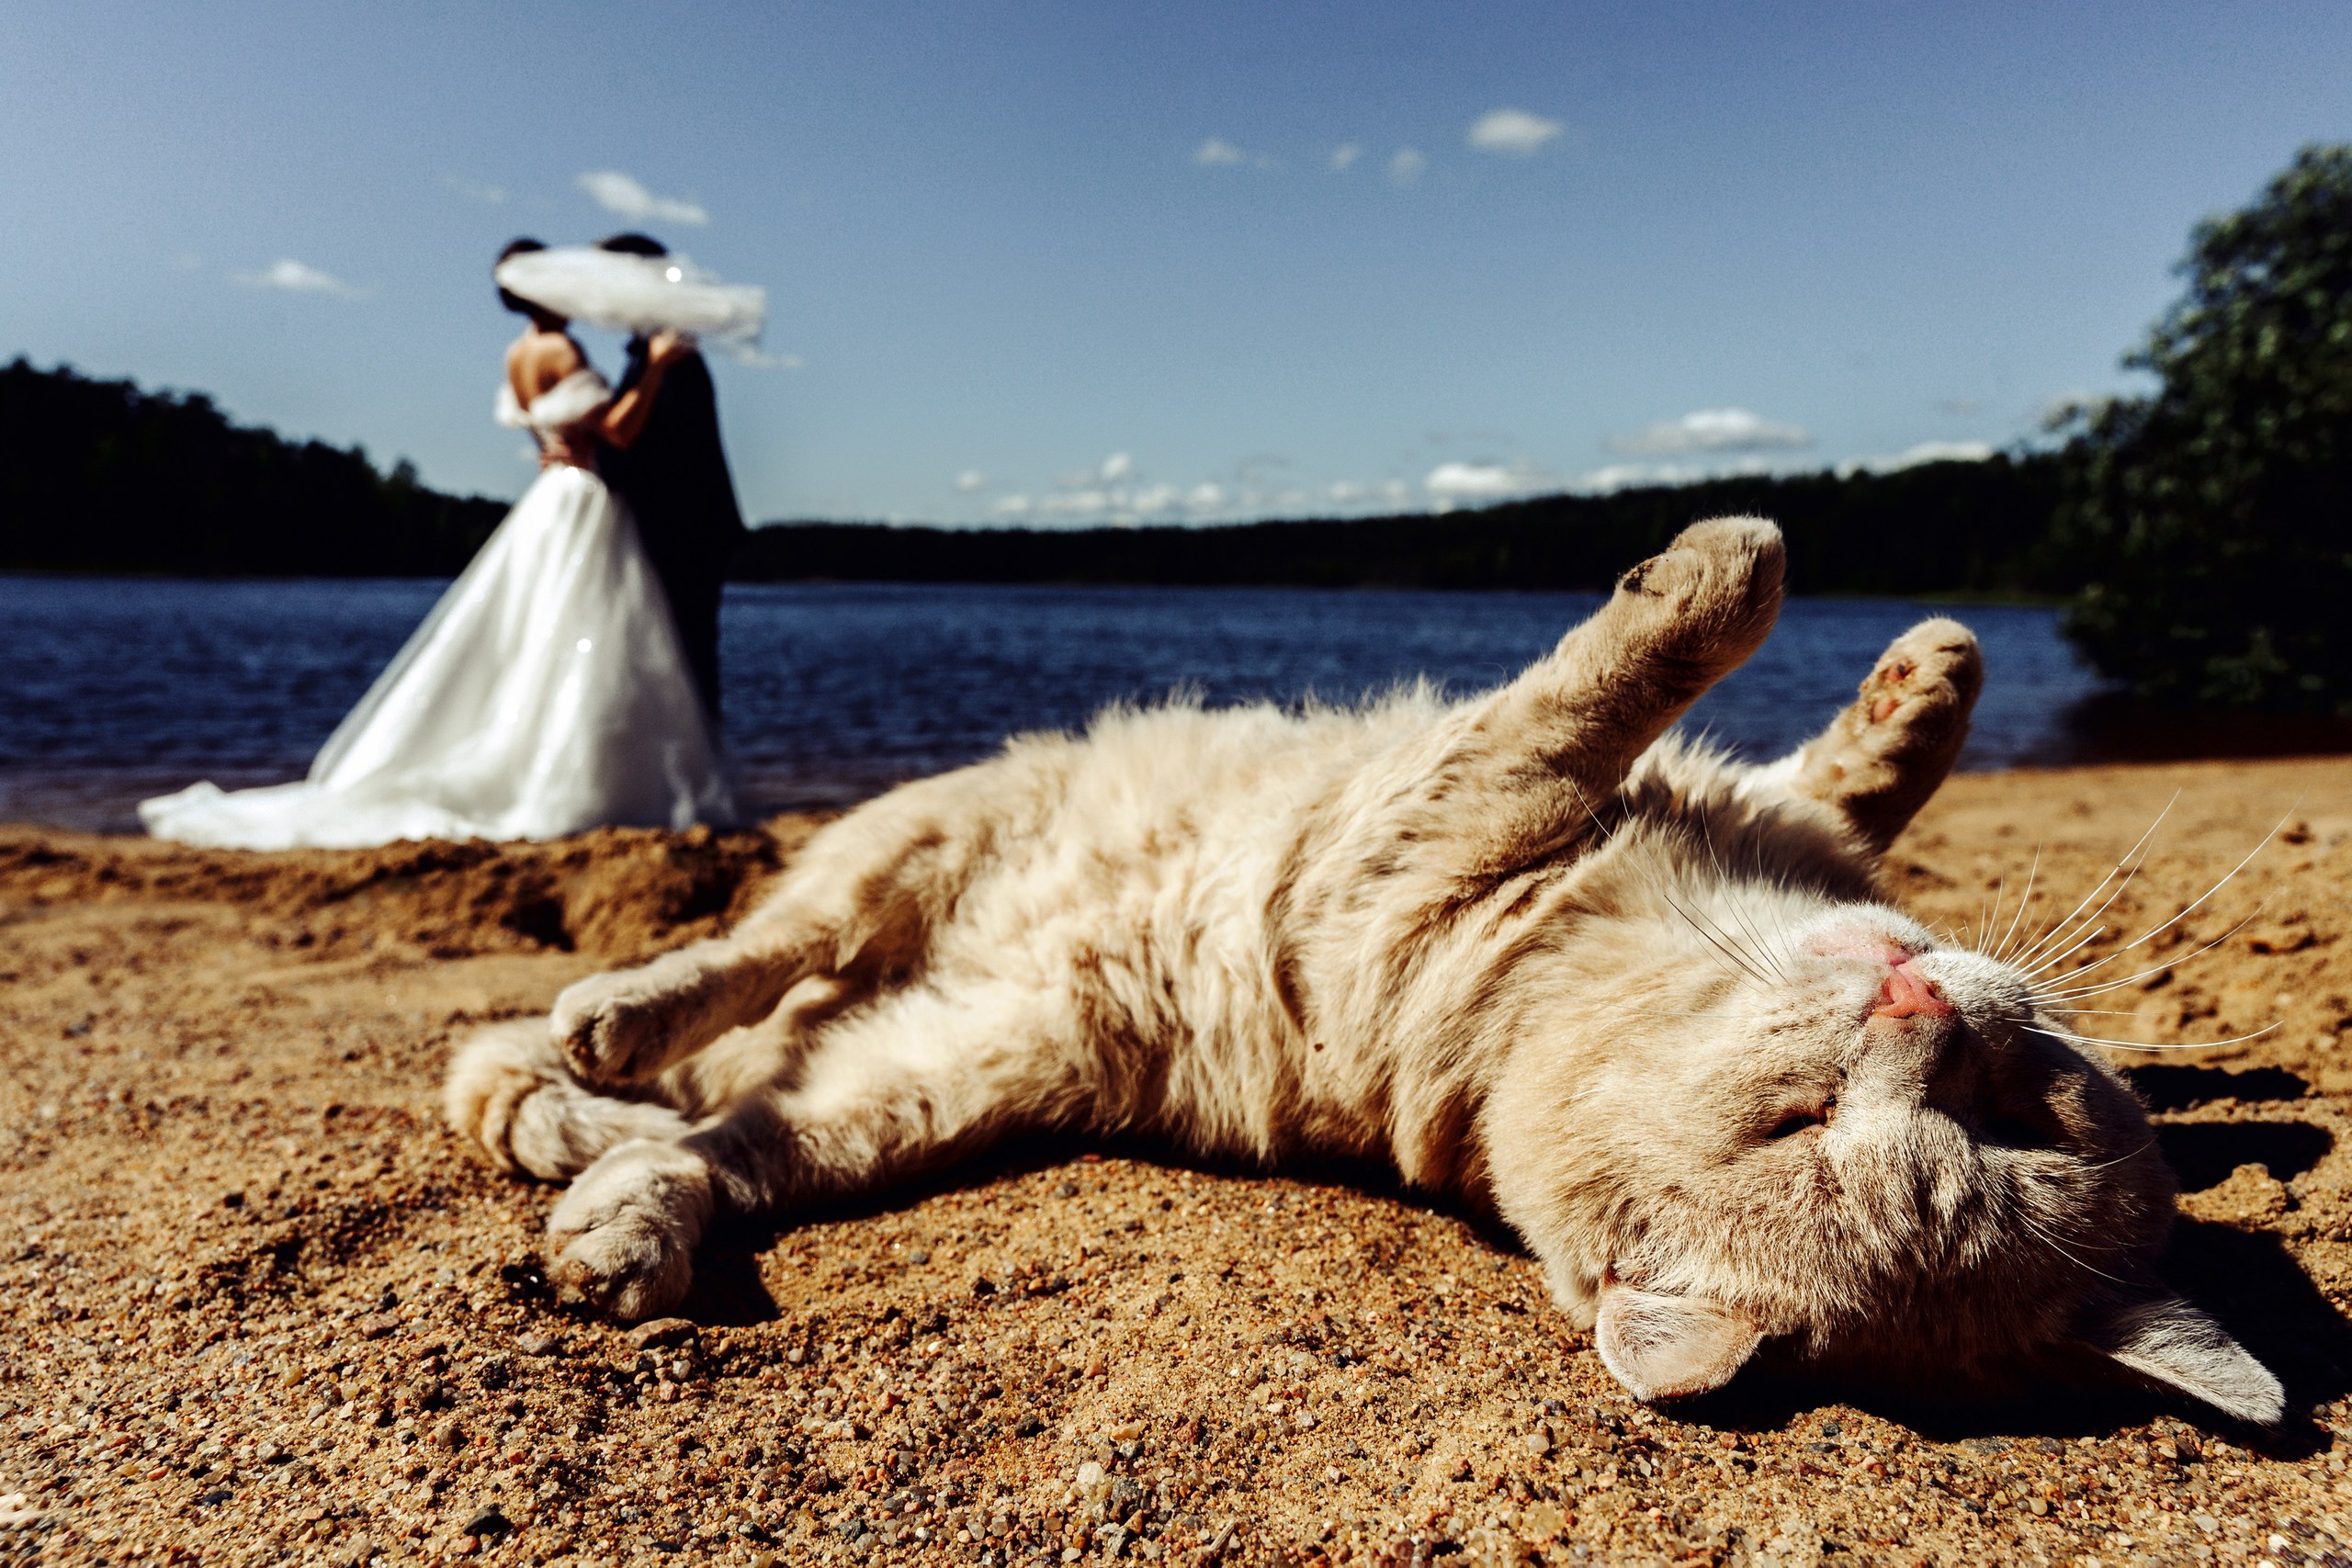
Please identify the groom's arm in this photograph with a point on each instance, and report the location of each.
(625, 416)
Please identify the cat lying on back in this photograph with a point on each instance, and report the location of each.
(1641, 1001)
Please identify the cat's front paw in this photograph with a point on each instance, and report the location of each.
(614, 1028)
(622, 1241)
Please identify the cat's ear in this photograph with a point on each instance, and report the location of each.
(1881, 758)
(1663, 1346)
(2165, 1339)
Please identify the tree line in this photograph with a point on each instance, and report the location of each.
(1978, 528)
(101, 475)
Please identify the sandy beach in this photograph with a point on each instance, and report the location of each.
(259, 1304)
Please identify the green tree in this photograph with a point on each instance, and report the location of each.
(2213, 519)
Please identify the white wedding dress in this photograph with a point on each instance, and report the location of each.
(546, 693)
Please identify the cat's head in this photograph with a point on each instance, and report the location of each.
(1798, 1119)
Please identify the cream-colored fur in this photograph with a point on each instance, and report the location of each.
(1642, 1001)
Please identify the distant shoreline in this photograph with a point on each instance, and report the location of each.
(1957, 597)
(107, 479)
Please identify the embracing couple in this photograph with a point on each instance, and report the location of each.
(568, 679)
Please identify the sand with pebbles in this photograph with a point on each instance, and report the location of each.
(260, 1306)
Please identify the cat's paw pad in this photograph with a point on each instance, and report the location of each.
(1926, 681)
(622, 1241)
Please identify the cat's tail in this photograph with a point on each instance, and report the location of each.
(510, 1090)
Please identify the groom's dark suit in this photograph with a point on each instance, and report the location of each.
(674, 478)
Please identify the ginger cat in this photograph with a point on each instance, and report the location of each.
(1641, 1001)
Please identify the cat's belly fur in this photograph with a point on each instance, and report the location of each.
(1129, 920)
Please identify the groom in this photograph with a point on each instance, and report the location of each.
(674, 478)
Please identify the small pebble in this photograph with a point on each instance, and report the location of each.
(662, 1331)
(538, 1345)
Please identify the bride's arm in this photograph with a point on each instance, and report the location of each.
(623, 418)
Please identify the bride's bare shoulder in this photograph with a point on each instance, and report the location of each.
(537, 360)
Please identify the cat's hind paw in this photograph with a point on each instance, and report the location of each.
(1708, 599)
(1917, 697)
(622, 1240)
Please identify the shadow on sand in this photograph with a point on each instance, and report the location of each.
(2247, 1280)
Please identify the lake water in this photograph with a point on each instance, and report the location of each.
(112, 689)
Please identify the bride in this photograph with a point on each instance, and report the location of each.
(545, 695)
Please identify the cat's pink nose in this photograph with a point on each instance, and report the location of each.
(1907, 993)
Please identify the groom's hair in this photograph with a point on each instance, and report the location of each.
(514, 301)
(634, 245)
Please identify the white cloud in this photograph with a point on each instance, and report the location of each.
(1407, 166)
(1077, 502)
(1369, 492)
(1216, 152)
(757, 357)
(625, 194)
(1912, 457)
(489, 196)
(1455, 483)
(299, 277)
(1633, 475)
(1114, 492)
(971, 480)
(1712, 429)
(1344, 154)
(1514, 131)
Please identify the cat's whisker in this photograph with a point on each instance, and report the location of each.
(2146, 1045)
(1720, 941)
(2061, 1248)
(1776, 948)
(2123, 1158)
(2203, 898)
(2090, 934)
(2023, 904)
(1760, 949)
(2073, 993)
(1985, 918)
(2051, 937)
(1706, 930)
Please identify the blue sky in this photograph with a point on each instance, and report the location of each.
(1055, 263)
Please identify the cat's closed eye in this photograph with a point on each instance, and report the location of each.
(1803, 1119)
